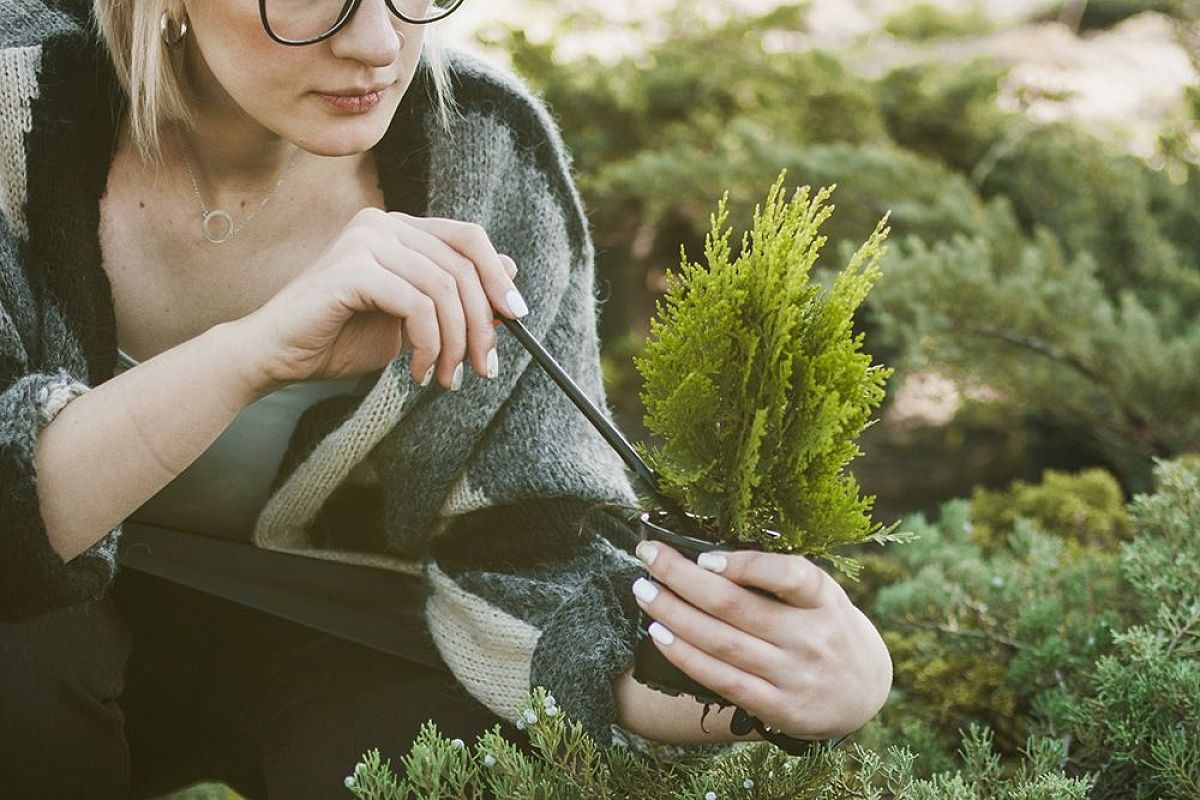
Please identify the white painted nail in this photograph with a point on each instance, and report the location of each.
(645, 590)
(516, 303)
(493, 363)
(647, 552)
(456, 381)
(428, 375)
(713, 562)
(660, 633)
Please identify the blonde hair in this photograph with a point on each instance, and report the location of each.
(129, 30)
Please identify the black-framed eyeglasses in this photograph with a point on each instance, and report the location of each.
(299, 22)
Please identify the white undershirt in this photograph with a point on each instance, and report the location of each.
(222, 492)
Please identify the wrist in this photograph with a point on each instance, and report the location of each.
(234, 346)
(677, 720)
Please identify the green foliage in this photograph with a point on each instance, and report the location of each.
(948, 114)
(925, 21)
(981, 776)
(972, 189)
(1164, 564)
(663, 129)
(1056, 632)
(565, 764)
(1087, 508)
(1047, 333)
(758, 385)
(988, 634)
(1139, 726)
(1029, 259)
(1100, 203)
(708, 108)
(920, 196)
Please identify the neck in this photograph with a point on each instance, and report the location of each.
(230, 151)
(227, 165)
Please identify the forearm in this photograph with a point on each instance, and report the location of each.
(674, 720)
(112, 448)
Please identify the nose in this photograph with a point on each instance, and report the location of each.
(369, 36)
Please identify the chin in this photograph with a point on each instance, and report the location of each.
(342, 140)
(346, 136)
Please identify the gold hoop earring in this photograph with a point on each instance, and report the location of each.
(172, 35)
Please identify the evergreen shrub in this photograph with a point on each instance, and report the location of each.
(1101, 203)
(758, 386)
(948, 113)
(1047, 333)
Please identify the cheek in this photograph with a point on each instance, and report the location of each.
(259, 75)
(238, 52)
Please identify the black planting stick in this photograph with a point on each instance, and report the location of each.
(610, 433)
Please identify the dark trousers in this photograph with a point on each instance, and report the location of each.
(157, 686)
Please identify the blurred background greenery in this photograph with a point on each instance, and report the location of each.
(1041, 165)
(1044, 272)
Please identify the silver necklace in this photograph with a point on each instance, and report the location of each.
(216, 224)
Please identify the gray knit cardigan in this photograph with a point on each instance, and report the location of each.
(511, 508)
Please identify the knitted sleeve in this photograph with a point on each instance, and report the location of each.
(33, 577)
(42, 367)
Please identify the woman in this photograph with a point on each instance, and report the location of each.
(229, 221)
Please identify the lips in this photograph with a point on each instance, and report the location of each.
(354, 100)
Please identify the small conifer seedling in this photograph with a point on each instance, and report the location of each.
(758, 387)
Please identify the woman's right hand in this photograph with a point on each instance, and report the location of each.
(388, 282)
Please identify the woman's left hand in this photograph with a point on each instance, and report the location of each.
(808, 664)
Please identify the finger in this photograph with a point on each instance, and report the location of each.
(713, 593)
(385, 291)
(792, 578)
(440, 287)
(472, 241)
(510, 266)
(481, 337)
(715, 637)
(747, 690)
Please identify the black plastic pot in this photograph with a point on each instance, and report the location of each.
(650, 666)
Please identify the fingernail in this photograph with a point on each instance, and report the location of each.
(713, 562)
(516, 303)
(456, 381)
(428, 375)
(647, 552)
(645, 590)
(660, 633)
(493, 363)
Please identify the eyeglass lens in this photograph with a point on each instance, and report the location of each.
(302, 20)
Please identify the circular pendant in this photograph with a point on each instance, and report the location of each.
(217, 226)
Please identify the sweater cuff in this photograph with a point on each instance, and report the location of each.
(586, 645)
(33, 577)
